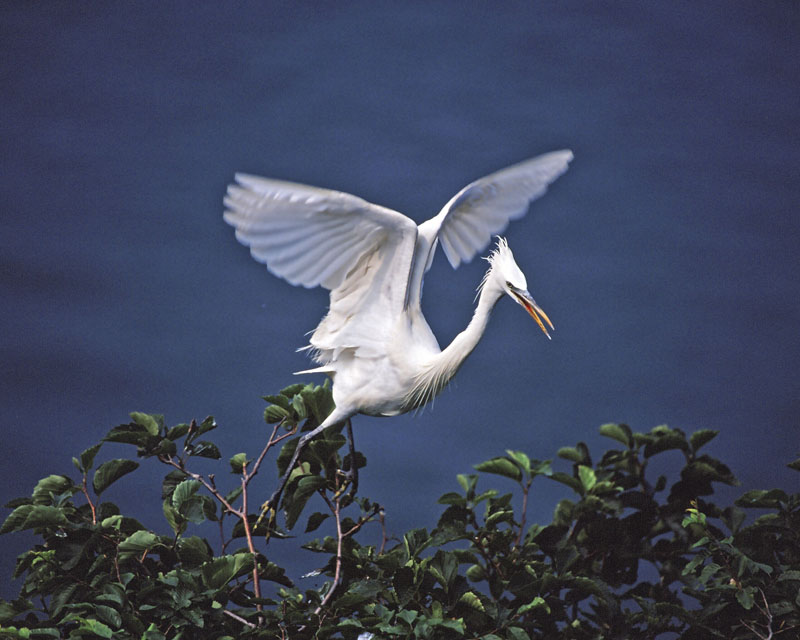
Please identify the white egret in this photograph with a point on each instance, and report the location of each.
(374, 342)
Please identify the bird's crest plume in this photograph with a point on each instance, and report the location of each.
(499, 255)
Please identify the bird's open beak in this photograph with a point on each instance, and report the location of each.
(529, 304)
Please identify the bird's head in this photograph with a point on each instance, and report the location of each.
(505, 275)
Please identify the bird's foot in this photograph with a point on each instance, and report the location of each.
(269, 512)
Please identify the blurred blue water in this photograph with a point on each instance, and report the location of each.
(666, 256)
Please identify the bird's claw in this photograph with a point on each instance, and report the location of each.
(268, 511)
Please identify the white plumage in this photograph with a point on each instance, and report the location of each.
(374, 341)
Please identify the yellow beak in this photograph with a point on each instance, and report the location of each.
(534, 310)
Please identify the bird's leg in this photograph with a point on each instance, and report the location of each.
(334, 418)
(353, 473)
(274, 500)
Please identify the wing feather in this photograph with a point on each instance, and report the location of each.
(309, 236)
(273, 217)
(484, 207)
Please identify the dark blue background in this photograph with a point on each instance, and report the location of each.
(667, 256)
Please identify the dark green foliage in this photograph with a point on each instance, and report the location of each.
(625, 556)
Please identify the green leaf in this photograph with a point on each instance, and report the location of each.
(708, 571)
(570, 453)
(318, 401)
(87, 626)
(16, 519)
(521, 459)
(745, 597)
(204, 427)
(129, 434)
(152, 423)
(568, 480)
(619, 432)
(87, 457)
(456, 625)
(760, 499)
(357, 593)
(517, 633)
(171, 480)
(306, 487)
(701, 437)
(794, 465)
(237, 462)
(315, 520)
(587, 477)
(138, 542)
(665, 440)
(299, 406)
(231, 497)
(108, 615)
(470, 599)
(111, 471)
(467, 482)
(274, 413)
(693, 564)
(205, 449)
(502, 467)
(476, 573)
(152, 632)
(178, 431)
(280, 400)
(292, 389)
(497, 517)
(452, 498)
(537, 603)
(193, 551)
(271, 571)
(415, 542)
(218, 572)
(29, 516)
(196, 430)
(184, 492)
(51, 486)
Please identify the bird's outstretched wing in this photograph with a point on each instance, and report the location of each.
(310, 236)
(484, 208)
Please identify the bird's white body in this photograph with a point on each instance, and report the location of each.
(374, 341)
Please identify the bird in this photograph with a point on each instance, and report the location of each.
(374, 342)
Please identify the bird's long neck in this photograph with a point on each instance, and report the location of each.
(441, 368)
(462, 345)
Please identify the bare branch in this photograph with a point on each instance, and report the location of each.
(85, 490)
(249, 535)
(334, 506)
(208, 485)
(239, 618)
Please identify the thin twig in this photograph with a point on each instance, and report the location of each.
(384, 538)
(270, 443)
(362, 521)
(196, 476)
(249, 535)
(490, 561)
(85, 490)
(353, 465)
(525, 491)
(238, 618)
(767, 614)
(335, 508)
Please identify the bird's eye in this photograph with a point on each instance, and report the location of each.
(509, 285)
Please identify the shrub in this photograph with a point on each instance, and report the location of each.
(625, 556)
